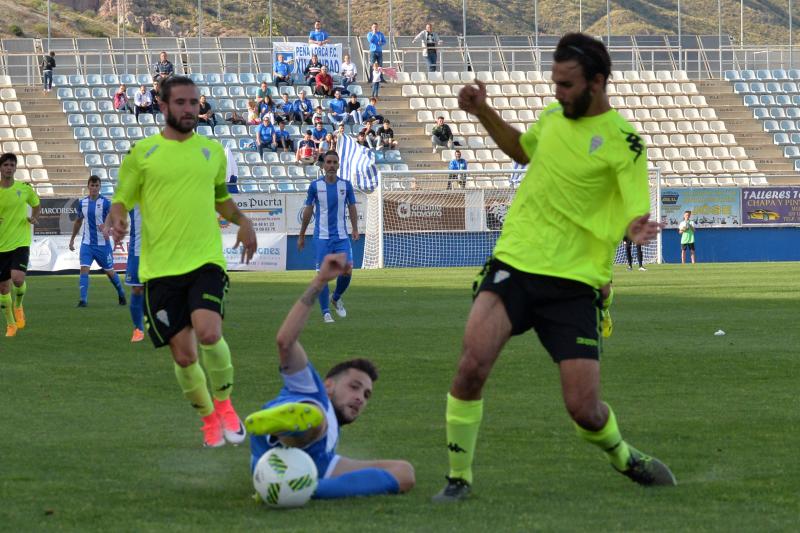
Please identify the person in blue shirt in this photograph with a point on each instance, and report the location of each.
(338, 110)
(282, 73)
(302, 109)
(309, 411)
(265, 136)
(318, 134)
(458, 163)
(283, 139)
(95, 244)
(318, 36)
(371, 112)
(377, 40)
(329, 195)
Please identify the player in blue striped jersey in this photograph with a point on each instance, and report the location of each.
(132, 275)
(95, 245)
(332, 198)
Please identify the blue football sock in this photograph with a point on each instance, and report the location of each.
(342, 282)
(84, 284)
(324, 299)
(367, 482)
(117, 284)
(137, 310)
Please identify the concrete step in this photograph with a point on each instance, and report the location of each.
(64, 160)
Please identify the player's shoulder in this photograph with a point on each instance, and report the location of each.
(23, 186)
(552, 109)
(622, 126)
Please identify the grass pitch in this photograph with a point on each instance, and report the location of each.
(96, 436)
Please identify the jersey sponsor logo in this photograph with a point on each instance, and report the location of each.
(597, 142)
(634, 143)
(500, 276)
(163, 317)
(455, 448)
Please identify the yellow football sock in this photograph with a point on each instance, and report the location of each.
(463, 422)
(192, 381)
(609, 440)
(217, 362)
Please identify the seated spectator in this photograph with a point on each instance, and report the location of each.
(253, 117)
(263, 92)
(142, 101)
(372, 139)
(324, 83)
(369, 125)
(121, 102)
(318, 135)
(283, 138)
(282, 73)
(337, 110)
(348, 71)
(327, 144)
(371, 111)
(458, 163)
(236, 119)
(267, 107)
(319, 115)
(155, 96)
(361, 140)
(386, 136)
(306, 150)
(265, 136)
(206, 115)
(318, 36)
(375, 78)
(312, 69)
(283, 109)
(441, 135)
(163, 69)
(232, 171)
(302, 109)
(354, 109)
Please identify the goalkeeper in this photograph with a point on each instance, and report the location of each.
(586, 186)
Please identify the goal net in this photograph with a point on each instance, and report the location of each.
(445, 219)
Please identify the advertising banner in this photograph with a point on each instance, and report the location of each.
(270, 255)
(295, 203)
(266, 211)
(773, 205)
(718, 207)
(57, 216)
(423, 211)
(297, 55)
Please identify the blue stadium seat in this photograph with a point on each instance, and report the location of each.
(127, 79)
(251, 130)
(264, 76)
(93, 119)
(252, 158)
(106, 106)
(146, 119)
(107, 189)
(793, 112)
(93, 160)
(230, 78)
(787, 126)
(88, 106)
(764, 75)
(259, 171)
(789, 87)
(111, 79)
(741, 87)
(780, 74)
(793, 74)
(238, 130)
(241, 104)
(757, 87)
(781, 139)
(773, 87)
(229, 143)
(244, 172)
(70, 106)
(99, 132)
(791, 151)
(117, 132)
(248, 187)
(205, 130)
(794, 138)
(149, 131)
(236, 91)
(285, 186)
(100, 172)
(766, 100)
(145, 79)
(393, 156)
(379, 156)
(783, 100)
(64, 93)
(797, 165)
(113, 173)
(105, 146)
(133, 132)
(122, 146)
(247, 145)
(99, 93)
(87, 146)
(777, 112)
(76, 79)
(748, 75)
(197, 78)
(251, 91)
(295, 171)
(222, 131)
(760, 113)
(60, 80)
(219, 91)
(751, 100)
(277, 171)
(226, 105)
(160, 120)
(247, 78)
(271, 157)
(94, 80)
(732, 75)
(771, 126)
(111, 160)
(82, 93)
(267, 186)
(213, 79)
(111, 119)
(75, 119)
(81, 133)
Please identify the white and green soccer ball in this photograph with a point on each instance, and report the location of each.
(285, 477)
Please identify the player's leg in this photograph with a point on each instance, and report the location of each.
(105, 258)
(295, 424)
(366, 478)
(137, 298)
(629, 254)
(322, 248)
(343, 280)
(19, 268)
(86, 260)
(683, 254)
(6, 303)
(640, 256)
(607, 298)
(691, 250)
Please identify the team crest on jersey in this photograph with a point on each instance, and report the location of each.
(597, 142)
(206, 153)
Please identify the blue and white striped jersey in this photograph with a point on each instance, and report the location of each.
(94, 213)
(331, 201)
(135, 243)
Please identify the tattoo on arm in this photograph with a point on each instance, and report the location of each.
(310, 296)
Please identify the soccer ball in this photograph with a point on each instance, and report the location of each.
(285, 477)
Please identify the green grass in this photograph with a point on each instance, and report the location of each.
(96, 436)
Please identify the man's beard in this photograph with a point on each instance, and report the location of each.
(175, 123)
(340, 416)
(580, 105)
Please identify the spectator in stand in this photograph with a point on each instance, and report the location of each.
(327, 144)
(386, 135)
(361, 140)
(236, 119)
(441, 135)
(206, 114)
(265, 136)
(429, 42)
(302, 109)
(312, 69)
(318, 135)
(371, 111)
(282, 73)
(283, 139)
(324, 83)
(121, 102)
(155, 97)
(375, 78)
(306, 150)
(48, 65)
(318, 36)
(284, 109)
(339, 132)
(354, 109)
(263, 92)
(142, 101)
(377, 40)
(267, 107)
(458, 163)
(348, 71)
(319, 115)
(253, 117)
(164, 68)
(372, 139)
(337, 109)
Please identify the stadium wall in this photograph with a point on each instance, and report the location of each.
(721, 245)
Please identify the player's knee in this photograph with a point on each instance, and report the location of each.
(137, 290)
(184, 359)
(404, 473)
(208, 335)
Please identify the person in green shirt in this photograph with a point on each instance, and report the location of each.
(586, 187)
(178, 180)
(686, 231)
(15, 241)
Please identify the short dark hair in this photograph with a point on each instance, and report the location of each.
(688, 211)
(330, 152)
(93, 179)
(8, 156)
(52, 53)
(173, 81)
(589, 52)
(364, 365)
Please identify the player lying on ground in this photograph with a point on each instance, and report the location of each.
(308, 411)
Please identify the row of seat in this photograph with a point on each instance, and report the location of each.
(699, 166)
(767, 100)
(534, 76)
(720, 180)
(543, 89)
(234, 91)
(787, 126)
(688, 153)
(766, 113)
(762, 75)
(770, 87)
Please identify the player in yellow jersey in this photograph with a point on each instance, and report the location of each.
(15, 241)
(178, 180)
(586, 186)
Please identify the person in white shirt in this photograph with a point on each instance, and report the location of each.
(429, 41)
(348, 71)
(142, 101)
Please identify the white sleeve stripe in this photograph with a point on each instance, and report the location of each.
(302, 381)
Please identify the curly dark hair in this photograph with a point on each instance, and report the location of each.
(364, 365)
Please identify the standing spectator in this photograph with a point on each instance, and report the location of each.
(142, 101)
(283, 139)
(283, 109)
(282, 72)
(302, 109)
(386, 135)
(458, 163)
(318, 37)
(324, 83)
(337, 110)
(377, 40)
(265, 136)
(371, 111)
(318, 134)
(206, 115)
(164, 68)
(686, 231)
(629, 254)
(253, 117)
(441, 135)
(121, 99)
(429, 42)
(155, 98)
(375, 78)
(354, 109)
(48, 65)
(339, 133)
(348, 71)
(312, 69)
(306, 150)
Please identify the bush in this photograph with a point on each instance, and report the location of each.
(14, 29)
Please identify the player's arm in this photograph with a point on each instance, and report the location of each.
(353, 211)
(35, 211)
(293, 357)
(117, 221)
(472, 99)
(246, 236)
(76, 227)
(304, 221)
(634, 186)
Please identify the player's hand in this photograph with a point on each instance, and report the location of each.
(119, 228)
(246, 236)
(333, 266)
(641, 230)
(356, 234)
(72, 245)
(301, 242)
(472, 98)
(33, 221)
